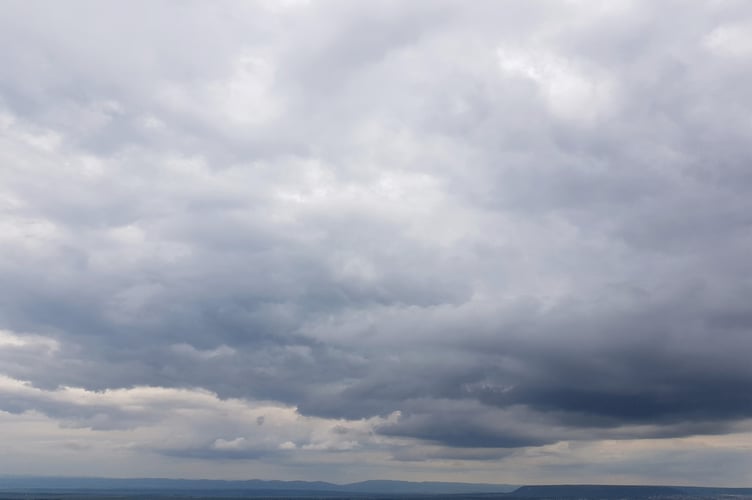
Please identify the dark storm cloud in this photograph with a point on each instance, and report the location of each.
(514, 224)
(465, 433)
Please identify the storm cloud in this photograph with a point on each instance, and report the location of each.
(427, 233)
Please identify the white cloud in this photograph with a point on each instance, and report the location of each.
(571, 91)
(731, 40)
(244, 97)
(10, 340)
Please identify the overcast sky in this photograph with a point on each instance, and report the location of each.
(469, 241)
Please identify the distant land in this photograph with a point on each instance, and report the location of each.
(68, 488)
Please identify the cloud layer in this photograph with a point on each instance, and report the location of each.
(487, 241)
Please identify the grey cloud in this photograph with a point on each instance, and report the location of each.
(534, 210)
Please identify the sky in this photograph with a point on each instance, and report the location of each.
(499, 241)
